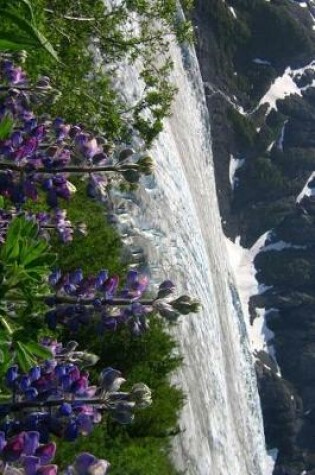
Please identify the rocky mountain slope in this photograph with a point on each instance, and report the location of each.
(244, 48)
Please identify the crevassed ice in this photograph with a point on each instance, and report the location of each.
(174, 217)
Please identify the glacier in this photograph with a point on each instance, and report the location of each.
(174, 219)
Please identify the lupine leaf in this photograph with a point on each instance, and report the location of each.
(24, 357)
(37, 350)
(29, 8)
(6, 126)
(31, 32)
(6, 45)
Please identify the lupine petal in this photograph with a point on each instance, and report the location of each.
(11, 375)
(2, 441)
(85, 424)
(14, 448)
(65, 409)
(31, 441)
(31, 394)
(131, 278)
(99, 468)
(48, 470)
(31, 464)
(34, 373)
(46, 452)
(110, 379)
(24, 382)
(83, 462)
(71, 432)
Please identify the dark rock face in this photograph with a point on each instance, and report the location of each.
(281, 407)
(279, 152)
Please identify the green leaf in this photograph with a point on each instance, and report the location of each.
(6, 45)
(47, 45)
(31, 32)
(38, 350)
(34, 254)
(13, 235)
(24, 358)
(6, 126)
(29, 8)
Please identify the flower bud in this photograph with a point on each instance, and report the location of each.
(146, 165)
(185, 305)
(166, 310)
(89, 359)
(141, 395)
(125, 154)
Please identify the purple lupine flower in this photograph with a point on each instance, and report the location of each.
(14, 448)
(28, 147)
(110, 379)
(11, 375)
(71, 432)
(16, 138)
(101, 277)
(46, 452)
(85, 424)
(47, 470)
(55, 277)
(30, 123)
(88, 464)
(31, 464)
(83, 462)
(30, 189)
(76, 277)
(31, 442)
(63, 191)
(15, 75)
(65, 409)
(34, 373)
(110, 285)
(31, 394)
(109, 323)
(166, 288)
(24, 382)
(47, 184)
(2, 441)
(52, 199)
(91, 148)
(39, 132)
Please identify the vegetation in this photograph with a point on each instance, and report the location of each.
(88, 44)
(95, 42)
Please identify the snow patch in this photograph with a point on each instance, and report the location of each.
(280, 245)
(306, 191)
(281, 138)
(283, 86)
(242, 263)
(235, 164)
(233, 12)
(270, 461)
(261, 61)
(269, 148)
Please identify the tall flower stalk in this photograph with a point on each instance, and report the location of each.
(39, 155)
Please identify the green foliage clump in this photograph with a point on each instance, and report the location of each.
(261, 179)
(295, 163)
(287, 269)
(244, 129)
(100, 248)
(150, 358)
(90, 40)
